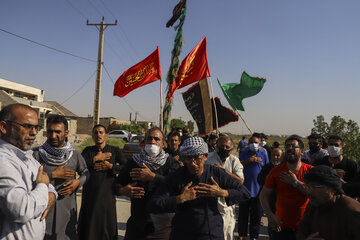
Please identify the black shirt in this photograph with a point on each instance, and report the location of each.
(349, 166)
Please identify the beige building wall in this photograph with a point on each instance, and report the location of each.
(23, 91)
(84, 124)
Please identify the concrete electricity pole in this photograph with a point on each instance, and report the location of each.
(103, 26)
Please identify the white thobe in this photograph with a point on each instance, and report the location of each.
(233, 165)
(22, 201)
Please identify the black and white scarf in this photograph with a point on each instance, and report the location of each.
(56, 156)
(153, 163)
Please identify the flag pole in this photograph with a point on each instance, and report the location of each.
(161, 107)
(237, 111)
(216, 116)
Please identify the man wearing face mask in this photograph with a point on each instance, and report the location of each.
(316, 151)
(264, 145)
(287, 180)
(346, 168)
(253, 158)
(222, 158)
(138, 180)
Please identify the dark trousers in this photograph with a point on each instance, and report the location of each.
(284, 234)
(253, 209)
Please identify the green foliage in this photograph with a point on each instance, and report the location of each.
(177, 123)
(90, 142)
(348, 130)
(190, 126)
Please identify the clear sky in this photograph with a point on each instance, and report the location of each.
(308, 50)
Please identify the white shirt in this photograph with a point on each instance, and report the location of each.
(231, 164)
(22, 201)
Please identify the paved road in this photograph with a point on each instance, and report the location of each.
(123, 213)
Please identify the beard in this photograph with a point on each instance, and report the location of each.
(292, 159)
(16, 140)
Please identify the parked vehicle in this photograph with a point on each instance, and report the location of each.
(133, 147)
(121, 134)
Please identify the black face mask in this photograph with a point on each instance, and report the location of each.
(314, 149)
(223, 153)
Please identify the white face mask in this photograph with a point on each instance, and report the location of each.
(334, 151)
(254, 147)
(152, 150)
(262, 143)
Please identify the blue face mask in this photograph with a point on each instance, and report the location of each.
(254, 147)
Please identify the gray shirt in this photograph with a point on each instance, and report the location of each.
(22, 201)
(312, 157)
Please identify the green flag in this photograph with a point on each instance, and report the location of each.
(236, 92)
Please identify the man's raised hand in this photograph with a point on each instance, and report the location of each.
(62, 173)
(42, 177)
(208, 190)
(142, 174)
(69, 187)
(102, 156)
(131, 191)
(189, 193)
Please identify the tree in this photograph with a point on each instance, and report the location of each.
(177, 123)
(190, 126)
(348, 130)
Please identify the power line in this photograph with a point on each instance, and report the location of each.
(97, 10)
(43, 45)
(122, 30)
(79, 88)
(76, 9)
(113, 50)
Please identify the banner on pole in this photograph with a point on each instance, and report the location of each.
(143, 73)
(201, 107)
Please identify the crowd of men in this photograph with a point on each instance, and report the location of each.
(180, 187)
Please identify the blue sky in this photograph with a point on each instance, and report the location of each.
(308, 50)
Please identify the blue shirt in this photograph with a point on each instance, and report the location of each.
(242, 145)
(252, 170)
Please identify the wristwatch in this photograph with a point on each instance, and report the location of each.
(295, 183)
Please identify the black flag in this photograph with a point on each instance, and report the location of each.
(201, 107)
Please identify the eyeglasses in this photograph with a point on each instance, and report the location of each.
(150, 138)
(27, 126)
(334, 144)
(291, 146)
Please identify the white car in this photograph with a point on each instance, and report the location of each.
(121, 134)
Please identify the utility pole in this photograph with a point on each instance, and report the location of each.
(102, 28)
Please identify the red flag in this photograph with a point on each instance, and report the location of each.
(192, 69)
(145, 72)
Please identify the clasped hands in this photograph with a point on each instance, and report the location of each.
(201, 190)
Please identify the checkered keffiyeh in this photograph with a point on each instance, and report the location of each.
(194, 146)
